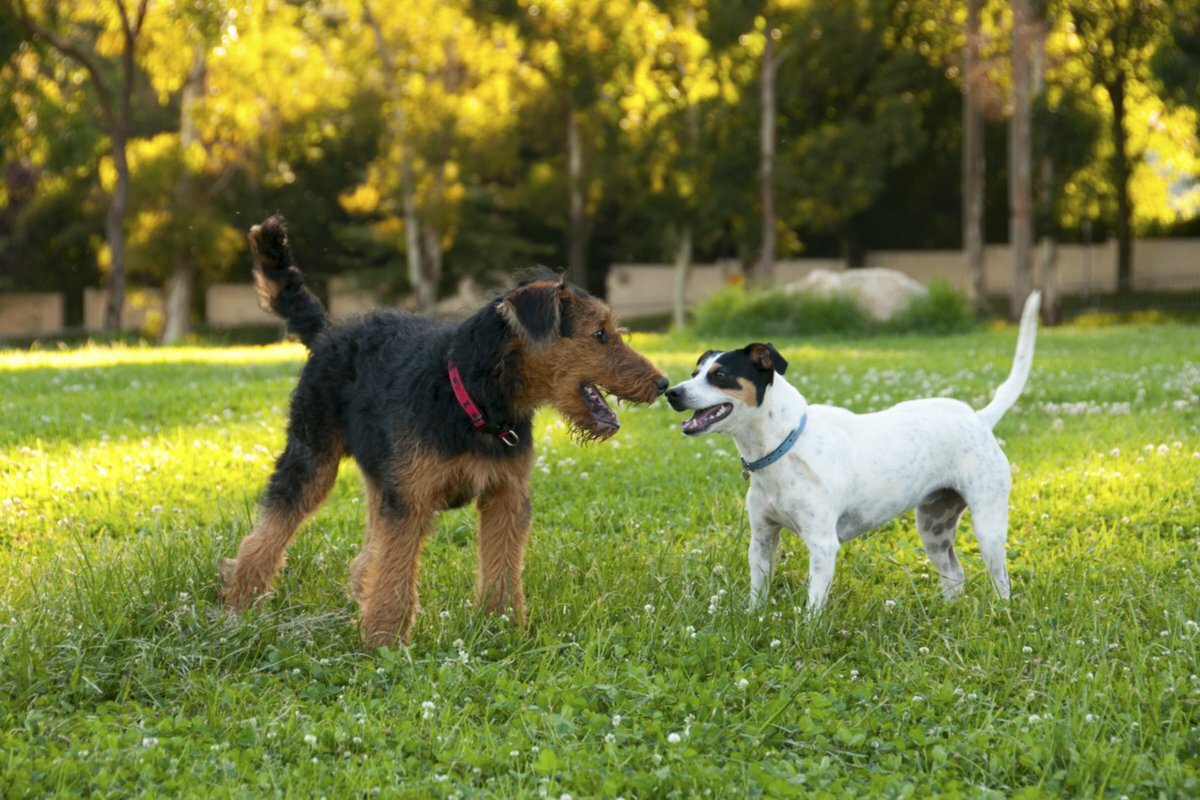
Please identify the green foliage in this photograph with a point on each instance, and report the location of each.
(303, 113)
(738, 311)
(944, 310)
(126, 473)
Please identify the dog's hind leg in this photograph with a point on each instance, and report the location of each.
(990, 518)
(937, 522)
(988, 501)
(389, 578)
(304, 475)
(358, 564)
(504, 522)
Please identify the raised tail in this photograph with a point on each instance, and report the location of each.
(1010, 390)
(280, 283)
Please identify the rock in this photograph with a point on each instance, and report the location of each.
(881, 293)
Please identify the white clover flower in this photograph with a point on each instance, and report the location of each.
(616, 720)
(1034, 719)
(673, 738)
(1026, 649)
(149, 741)
(310, 739)
(1089, 718)
(923, 650)
(918, 698)
(776, 642)
(888, 605)
(427, 708)
(743, 684)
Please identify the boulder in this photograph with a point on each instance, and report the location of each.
(881, 293)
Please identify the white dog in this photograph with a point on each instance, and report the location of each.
(830, 474)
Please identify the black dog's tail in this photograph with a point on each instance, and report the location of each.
(280, 283)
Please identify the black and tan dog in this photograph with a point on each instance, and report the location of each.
(436, 415)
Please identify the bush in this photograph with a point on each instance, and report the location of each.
(737, 311)
(943, 310)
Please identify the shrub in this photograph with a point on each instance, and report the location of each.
(943, 310)
(737, 311)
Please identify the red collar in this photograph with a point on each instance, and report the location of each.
(504, 433)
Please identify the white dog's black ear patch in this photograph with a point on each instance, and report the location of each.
(766, 357)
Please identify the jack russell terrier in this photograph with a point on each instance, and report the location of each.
(830, 474)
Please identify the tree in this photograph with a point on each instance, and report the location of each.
(119, 29)
(1117, 39)
(973, 163)
(1020, 197)
(450, 85)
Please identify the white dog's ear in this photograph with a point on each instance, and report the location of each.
(766, 357)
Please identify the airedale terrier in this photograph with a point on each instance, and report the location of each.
(436, 415)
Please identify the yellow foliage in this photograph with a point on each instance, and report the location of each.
(362, 199)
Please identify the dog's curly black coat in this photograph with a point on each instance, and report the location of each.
(385, 371)
(376, 388)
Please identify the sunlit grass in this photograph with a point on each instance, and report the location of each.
(126, 473)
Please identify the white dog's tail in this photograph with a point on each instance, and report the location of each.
(1010, 390)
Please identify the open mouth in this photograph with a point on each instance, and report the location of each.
(705, 418)
(603, 414)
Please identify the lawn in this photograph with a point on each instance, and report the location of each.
(126, 473)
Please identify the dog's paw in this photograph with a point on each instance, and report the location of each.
(235, 595)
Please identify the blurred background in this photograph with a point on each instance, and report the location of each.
(657, 151)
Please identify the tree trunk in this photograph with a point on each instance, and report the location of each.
(114, 232)
(973, 166)
(683, 264)
(432, 236)
(1050, 307)
(577, 222)
(764, 272)
(1020, 156)
(412, 229)
(1121, 175)
(183, 272)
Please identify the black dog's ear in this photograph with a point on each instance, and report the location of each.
(765, 357)
(532, 311)
(703, 356)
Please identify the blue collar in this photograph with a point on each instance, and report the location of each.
(775, 454)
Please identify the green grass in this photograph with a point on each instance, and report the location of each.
(126, 473)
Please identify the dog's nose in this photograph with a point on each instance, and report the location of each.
(661, 383)
(673, 394)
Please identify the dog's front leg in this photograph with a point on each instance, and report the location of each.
(821, 537)
(504, 523)
(764, 542)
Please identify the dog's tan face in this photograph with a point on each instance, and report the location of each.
(572, 353)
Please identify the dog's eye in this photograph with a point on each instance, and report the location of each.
(601, 336)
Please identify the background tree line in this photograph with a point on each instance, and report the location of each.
(413, 143)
